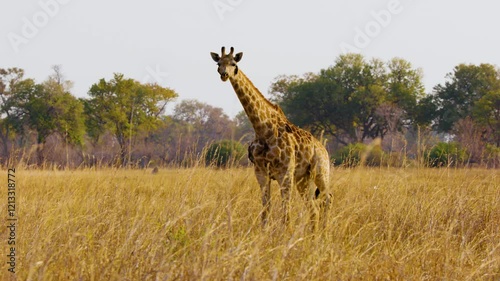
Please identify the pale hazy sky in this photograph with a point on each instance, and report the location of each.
(169, 41)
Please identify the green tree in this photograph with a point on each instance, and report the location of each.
(46, 108)
(426, 111)
(405, 88)
(486, 112)
(94, 124)
(125, 107)
(54, 110)
(350, 100)
(309, 104)
(12, 87)
(466, 85)
(280, 88)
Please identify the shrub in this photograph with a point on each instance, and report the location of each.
(349, 155)
(224, 153)
(491, 155)
(446, 154)
(355, 154)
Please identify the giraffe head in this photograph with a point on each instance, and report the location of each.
(227, 63)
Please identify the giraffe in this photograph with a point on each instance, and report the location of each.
(280, 151)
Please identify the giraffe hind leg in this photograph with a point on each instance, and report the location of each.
(322, 192)
(286, 181)
(307, 191)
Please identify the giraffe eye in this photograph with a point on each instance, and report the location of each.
(233, 64)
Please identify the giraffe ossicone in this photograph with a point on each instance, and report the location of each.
(280, 151)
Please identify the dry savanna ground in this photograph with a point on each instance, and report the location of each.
(204, 224)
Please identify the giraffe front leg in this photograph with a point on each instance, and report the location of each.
(265, 188)
(286, 182)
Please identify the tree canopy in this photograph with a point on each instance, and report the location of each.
(470, 91)
(124, 107)
(354, 99)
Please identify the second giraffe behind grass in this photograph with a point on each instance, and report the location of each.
(280, 151)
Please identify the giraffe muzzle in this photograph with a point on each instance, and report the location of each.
(224, 76)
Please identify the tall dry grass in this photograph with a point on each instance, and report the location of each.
(204, 224)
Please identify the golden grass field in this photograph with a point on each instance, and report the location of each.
(204, 224)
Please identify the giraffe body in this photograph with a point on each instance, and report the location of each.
(280, 151)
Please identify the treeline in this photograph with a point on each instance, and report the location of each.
(357, 101)
(367, 109)
(121, 123)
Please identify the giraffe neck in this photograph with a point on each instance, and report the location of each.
(261, 112)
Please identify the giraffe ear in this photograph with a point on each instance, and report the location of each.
(215, 56)
(238, 57)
